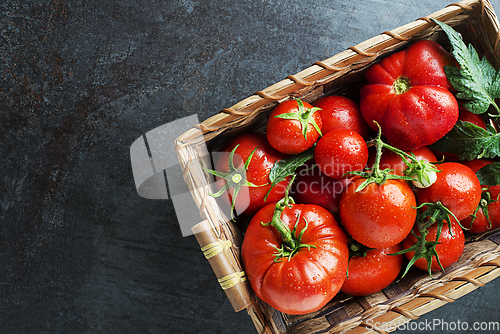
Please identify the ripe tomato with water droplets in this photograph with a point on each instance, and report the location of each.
(339, 152)
(378, 216)
(449, 248)
(457, 188)
(340, 112)
(373, 272)
(307, 280)
(293, 126)
(408, 95)
(249, 199)
(491, 204)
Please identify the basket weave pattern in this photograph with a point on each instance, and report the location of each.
(220, 238)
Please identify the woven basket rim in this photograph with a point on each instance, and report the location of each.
(369, 48)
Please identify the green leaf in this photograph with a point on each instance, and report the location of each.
(469, 141)
(287, 167)
(476, 81)
(489, 174)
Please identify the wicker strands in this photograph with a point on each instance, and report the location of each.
(220, 238)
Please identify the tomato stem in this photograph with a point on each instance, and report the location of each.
(358, 249)
(485, 201)
(379, 144)
(497, 109)
(435, 213)
(419, 171)
(401, 85)
(276, 222)
(291, 241)
(375, 174)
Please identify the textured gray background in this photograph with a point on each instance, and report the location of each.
(80, 251)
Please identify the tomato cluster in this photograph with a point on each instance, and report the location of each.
(341, 191)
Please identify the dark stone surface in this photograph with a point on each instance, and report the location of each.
(80, 251)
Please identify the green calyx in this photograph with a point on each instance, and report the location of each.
(436, 213)
(291, 242)
(401, 85)
(358, 249)
(305, 116)
(483, 205)
(417, 169)
(423, 172)
(235, 178)
(423, 249)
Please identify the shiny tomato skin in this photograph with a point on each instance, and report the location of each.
(341, 151)
(457, 187)
(481, 224)
(378, 216)
(373, 272)
(313, 187)
(393, 161)
(408, 96)
(285, 135)
(477, 164)
(251, 199)
(449, 249)
(340, 112)
(467, 116)
(309, 279)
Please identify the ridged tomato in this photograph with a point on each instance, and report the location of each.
(307, 278)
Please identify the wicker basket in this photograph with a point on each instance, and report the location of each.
(220, 238)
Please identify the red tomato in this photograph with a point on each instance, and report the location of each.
(287, 135)
(408, 96)
(393, 161)
(379, 216)
(373, 272)
(456, 187)
(477, 164)
(340, 112)
(309, 279)
(449, 248)
(339, 152)
(467, 116)
(481, 224)
(250, 199)
(313, 187)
